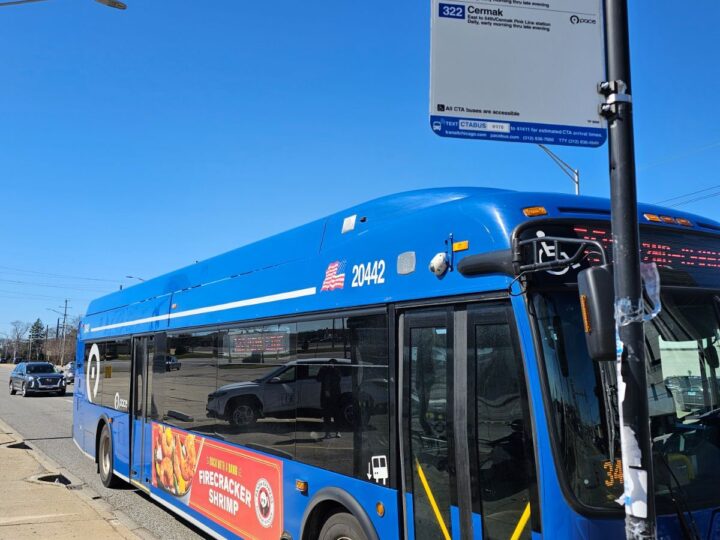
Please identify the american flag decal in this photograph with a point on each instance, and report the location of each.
(334, 276)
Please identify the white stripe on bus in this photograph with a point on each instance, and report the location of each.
(210, 309)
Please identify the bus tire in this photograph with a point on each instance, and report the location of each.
(106, 460)
(342, 526)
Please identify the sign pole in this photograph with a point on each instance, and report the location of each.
(638, 498)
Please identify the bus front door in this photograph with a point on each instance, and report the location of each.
(466, 444)
(141, 430)
(427, 386)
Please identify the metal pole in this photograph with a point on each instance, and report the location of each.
(635, 437)
(573, 174)
(576, 174)
(62, 348)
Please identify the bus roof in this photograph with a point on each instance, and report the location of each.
(403, 222)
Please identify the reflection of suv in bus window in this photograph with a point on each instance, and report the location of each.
(294, 389)
(171, 362)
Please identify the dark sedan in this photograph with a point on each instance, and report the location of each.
(36, 377)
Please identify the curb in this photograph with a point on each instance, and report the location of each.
(118, 520)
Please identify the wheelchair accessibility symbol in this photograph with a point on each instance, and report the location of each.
(547, 253)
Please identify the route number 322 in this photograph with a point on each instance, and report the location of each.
(372, 273)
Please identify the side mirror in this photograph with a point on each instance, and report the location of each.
(597, 303)
(711, 357)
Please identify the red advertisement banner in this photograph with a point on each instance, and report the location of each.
(236, 489)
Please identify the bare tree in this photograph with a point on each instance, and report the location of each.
(17, 333)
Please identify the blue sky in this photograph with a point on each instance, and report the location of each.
(137, 142)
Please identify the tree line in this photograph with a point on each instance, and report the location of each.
(39, 342)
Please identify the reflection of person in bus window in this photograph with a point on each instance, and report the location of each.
(426, 381)
(329, 377)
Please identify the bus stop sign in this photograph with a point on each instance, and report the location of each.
(518, 71)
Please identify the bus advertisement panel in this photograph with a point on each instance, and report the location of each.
(239, 490)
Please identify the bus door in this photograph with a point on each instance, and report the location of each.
(467, 459)
(141, 430)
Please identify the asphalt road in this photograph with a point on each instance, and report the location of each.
(46, 422)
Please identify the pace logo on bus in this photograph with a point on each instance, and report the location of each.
(92, 375)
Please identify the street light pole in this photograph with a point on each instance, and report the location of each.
(635, 437)
(573, 174)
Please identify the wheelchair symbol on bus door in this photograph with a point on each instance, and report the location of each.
(548, 251)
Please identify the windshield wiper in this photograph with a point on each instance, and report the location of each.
(689, 530)
(608, 379)
(712, 414)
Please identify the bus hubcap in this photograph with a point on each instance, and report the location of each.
(105, 457)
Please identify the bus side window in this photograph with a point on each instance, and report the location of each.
(116, 375)
(505, 472)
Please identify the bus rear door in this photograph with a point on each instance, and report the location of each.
(141, 431)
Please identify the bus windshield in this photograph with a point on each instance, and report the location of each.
(682, 349)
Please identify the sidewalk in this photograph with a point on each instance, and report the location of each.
(31, 508)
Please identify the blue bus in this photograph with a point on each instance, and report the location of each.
(412, 367)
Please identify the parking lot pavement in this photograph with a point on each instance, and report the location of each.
(41, 499)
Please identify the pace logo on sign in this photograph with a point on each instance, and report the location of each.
(518, 72)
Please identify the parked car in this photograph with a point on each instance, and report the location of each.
(69, 372)
(36, 377)
(171, 363)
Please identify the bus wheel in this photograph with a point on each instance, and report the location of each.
(105, 459)
(243, 414)
(342, 526)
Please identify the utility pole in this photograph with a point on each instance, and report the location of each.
(635, 438)
(62, 347)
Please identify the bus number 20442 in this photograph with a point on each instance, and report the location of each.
(372, 273)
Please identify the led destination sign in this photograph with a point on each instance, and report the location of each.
(684, 258)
